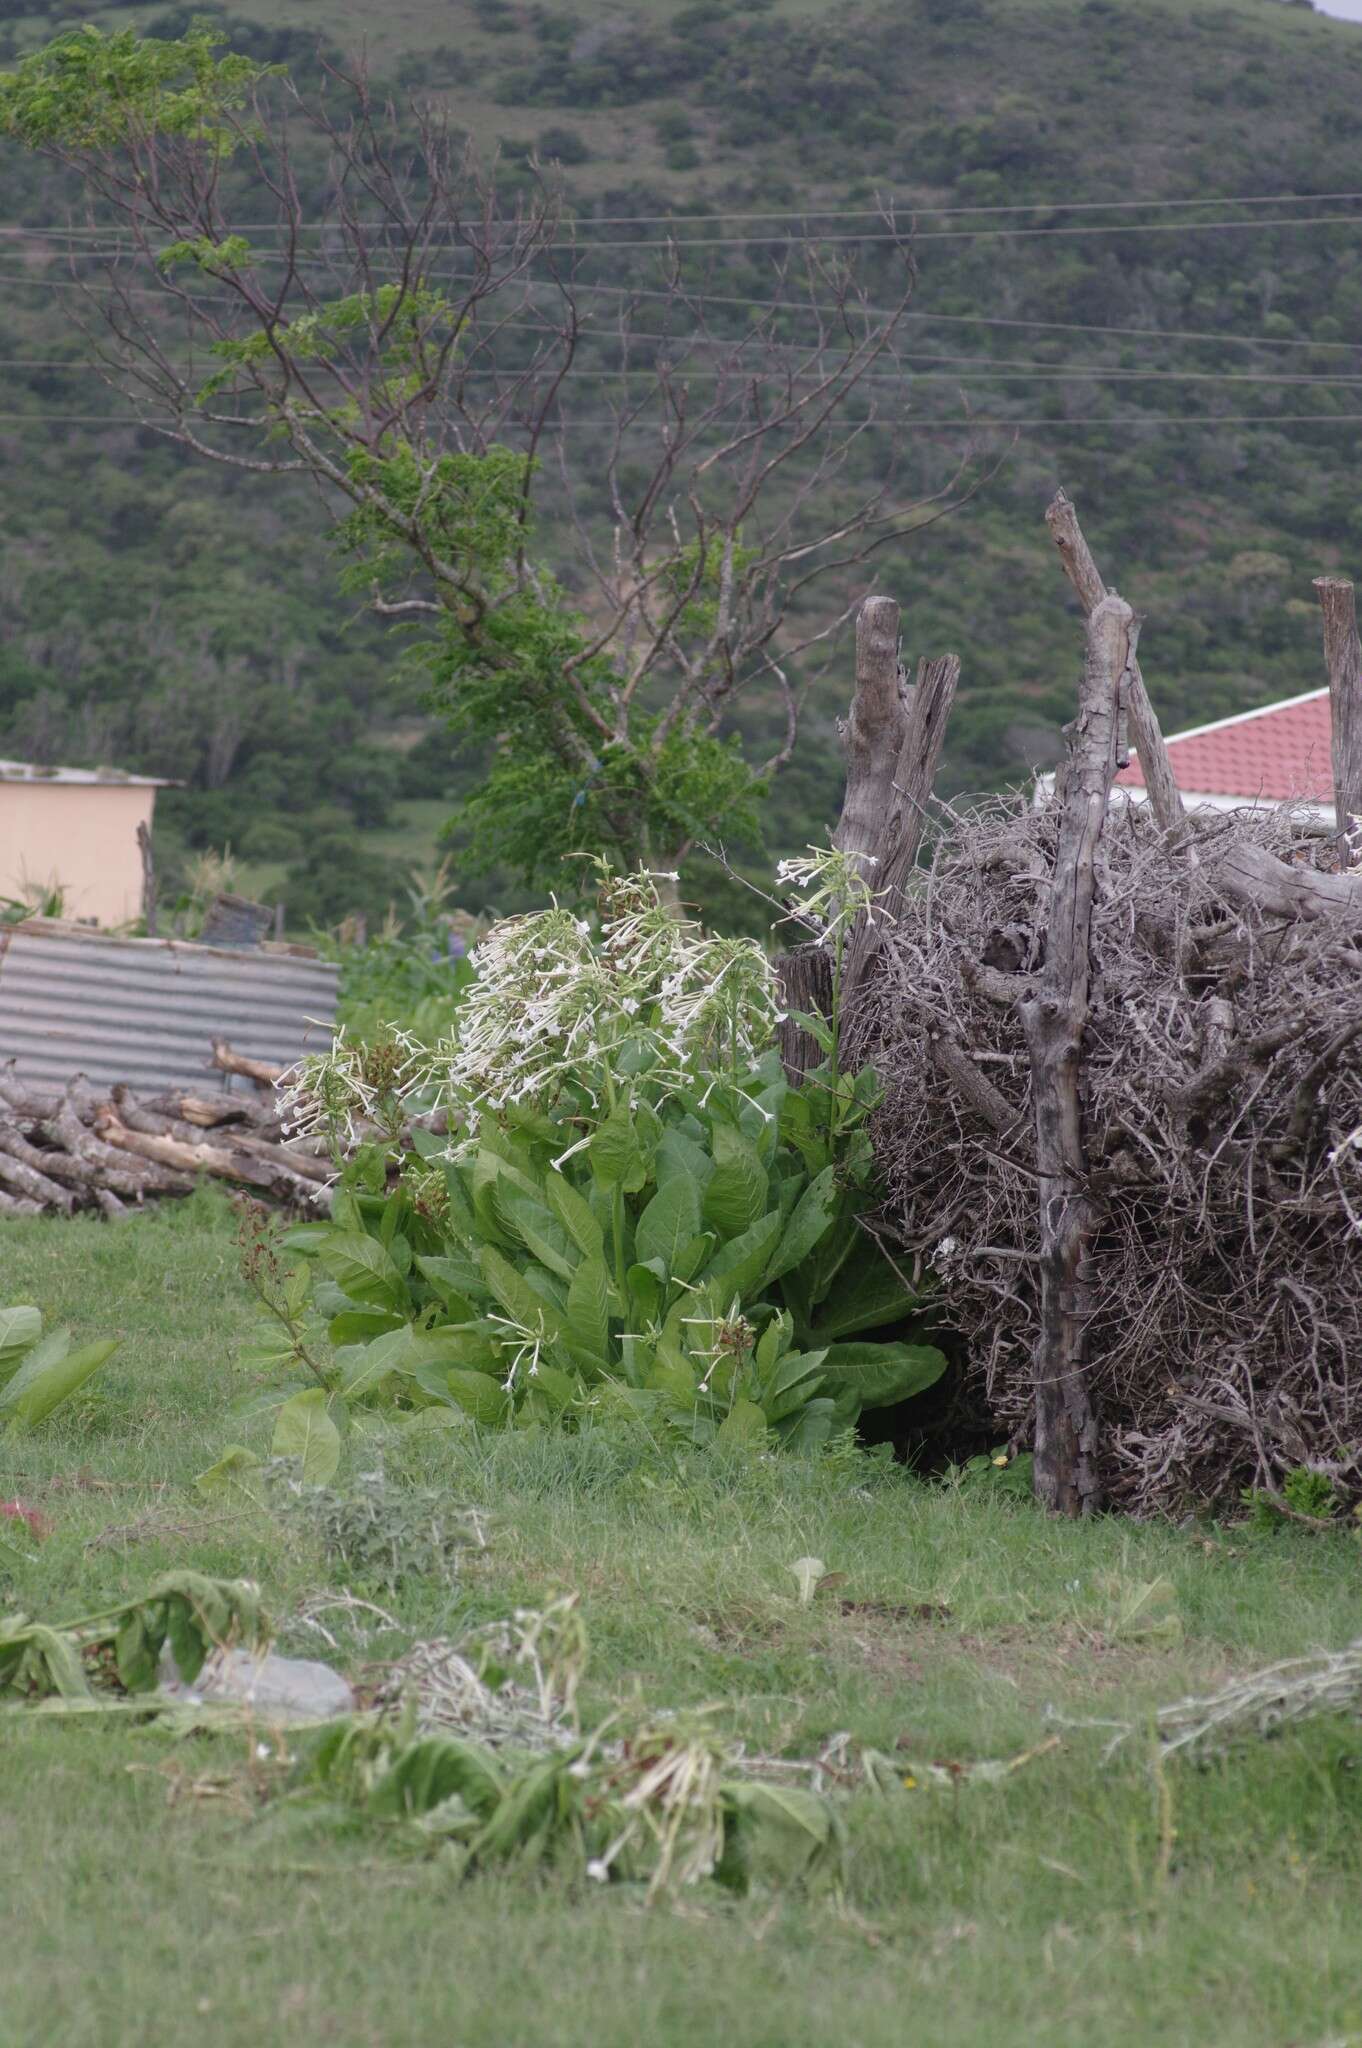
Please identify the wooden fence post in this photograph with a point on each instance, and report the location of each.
(1165, 799)
(1055, 1020)
(892, 740)
(1343, 659)
(148, 878)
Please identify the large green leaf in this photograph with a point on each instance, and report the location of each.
(456, 1279)
(541, 1233)
(20, 1329)
(778, 1833)
(881, 1373)
(525, 1307)
(51, 1372)
(575, 1214)
(479, 1395)
(737, 1190)
(867, 1293)
(615, 1153)
(678, 1152)
(235, 1477)
(358, 1326)
(303, 1430)
(743, 1424)
(669, 1223)
(364, 1270)
(794, 1382)
(738, 1266)
(807, 1226)
(588, 1311)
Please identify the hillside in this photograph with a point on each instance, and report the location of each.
(1185, 369)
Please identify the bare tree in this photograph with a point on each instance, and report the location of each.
(415, 348)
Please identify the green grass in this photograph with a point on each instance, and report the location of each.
(147, 1903)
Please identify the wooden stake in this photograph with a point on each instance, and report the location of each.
(148, 878)
(1055, 1020)
(1076, 557)
(1343, 659)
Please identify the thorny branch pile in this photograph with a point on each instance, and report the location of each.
(1208, 1325)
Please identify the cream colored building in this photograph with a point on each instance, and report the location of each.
(75, 829)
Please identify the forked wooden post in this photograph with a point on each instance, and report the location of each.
(893, 742)
(1343, 659)
(1055, 1019)
(1165, 799)
(892, 739)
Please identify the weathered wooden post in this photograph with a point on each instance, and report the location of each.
(1055, 1020)
(144, 847)
(1343, 659)
(892, 740)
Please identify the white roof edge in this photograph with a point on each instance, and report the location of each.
(44, 777)
(1200, 799)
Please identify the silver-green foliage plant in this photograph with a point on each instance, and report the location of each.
(639, 1217)
(37, 1372)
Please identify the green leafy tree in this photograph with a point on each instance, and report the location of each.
(414, 349)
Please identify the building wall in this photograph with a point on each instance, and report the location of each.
(82, 835)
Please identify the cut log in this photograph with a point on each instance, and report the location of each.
(36, 1103)
(18, 1205)
(1250, 874)
(110, 1167)
(207, 1111)
(22, 1179)
(1343, 659)
(227, 1061)
(1055, 1020)
(225, 1161)
(139, 1117)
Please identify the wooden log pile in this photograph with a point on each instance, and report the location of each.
(82, 1147)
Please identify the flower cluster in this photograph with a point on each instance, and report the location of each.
(346, 1094)
(554, 1007)
(831, 889)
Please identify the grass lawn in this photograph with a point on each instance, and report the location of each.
(148, 1902)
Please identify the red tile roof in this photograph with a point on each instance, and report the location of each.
(1276, 754)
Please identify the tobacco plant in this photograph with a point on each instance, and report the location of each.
(638, 1216)
(37, 1372)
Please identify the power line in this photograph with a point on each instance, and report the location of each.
(918, 425)
(590, 220)
(982, 369)
(899, 240)
(1219, 338)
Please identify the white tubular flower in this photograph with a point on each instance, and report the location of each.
(830, 888)
(333, 1095)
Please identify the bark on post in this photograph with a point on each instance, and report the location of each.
(893, 744)
(873, 734)
(1165, 800)
(1343, 659)
(148, 878)
(892, 740)
(1055, 1021)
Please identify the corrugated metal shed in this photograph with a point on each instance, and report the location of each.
(146, 1011)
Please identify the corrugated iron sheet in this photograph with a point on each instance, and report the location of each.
(146, 1011)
